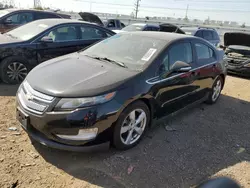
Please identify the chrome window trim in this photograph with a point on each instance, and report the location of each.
(148, 81)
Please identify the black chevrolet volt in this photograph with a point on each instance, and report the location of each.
(113, 91)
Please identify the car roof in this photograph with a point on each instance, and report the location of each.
(56, 21)
(168, 37)
(197, 28)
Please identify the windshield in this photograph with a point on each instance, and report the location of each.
(131, 50)
(133, 28)
(3, 13)
(29, 30)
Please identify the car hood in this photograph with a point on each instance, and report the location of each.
(76, 75)
(89, 17)
(6, 39)
(236, 38)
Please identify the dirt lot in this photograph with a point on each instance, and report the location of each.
(208, 141)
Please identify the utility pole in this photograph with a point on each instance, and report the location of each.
(137, 4)
(186, 17)
(37, 4)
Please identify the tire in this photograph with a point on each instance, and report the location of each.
(218, 83)
(125, 122)
(7, 73)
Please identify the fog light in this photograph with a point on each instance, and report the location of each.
(83, 135)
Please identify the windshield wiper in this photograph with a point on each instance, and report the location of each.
(109, 60)
(10, 35)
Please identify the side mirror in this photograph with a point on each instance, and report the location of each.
(180, 66)
(47, 39)
(8, 21)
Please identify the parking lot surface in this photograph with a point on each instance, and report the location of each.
(202, 142)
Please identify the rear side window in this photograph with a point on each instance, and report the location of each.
(204, 53)
(207, 35)
(199, 34)
(215, 35)
(88, 33)
(45, 16)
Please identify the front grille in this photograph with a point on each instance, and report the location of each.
(32, 100)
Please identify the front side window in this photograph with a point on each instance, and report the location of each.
(65, 33)
(204, 53)
(20, 18)
(199, 34)
(180, 52)
(88, 33)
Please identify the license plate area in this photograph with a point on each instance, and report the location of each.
(22, 118)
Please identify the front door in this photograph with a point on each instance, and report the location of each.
(175, 90)
(16, 20)
(65, 40)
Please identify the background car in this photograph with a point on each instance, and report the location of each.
(139, 27)
(208, 34)
(24, 47)
(237, 52)
(12, 18)
(115, 89)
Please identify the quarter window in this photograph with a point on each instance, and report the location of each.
(88, 33)
(20, 18)
(66, 33)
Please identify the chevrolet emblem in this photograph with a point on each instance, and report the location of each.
(29, 97)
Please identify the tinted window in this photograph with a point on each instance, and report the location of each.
(66, 33)
(20, 18)
(207, 35)
(199, 34)
(92, 33)
(45, 16)
(215, 35)
(180, 52)
(204, 53)
(111, 23)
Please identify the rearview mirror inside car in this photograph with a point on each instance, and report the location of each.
(180, 66)
(47, 39)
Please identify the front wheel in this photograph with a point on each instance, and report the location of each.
(131, 126)
(13, 71)
(216, 91)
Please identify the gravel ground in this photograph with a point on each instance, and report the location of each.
(207, 141)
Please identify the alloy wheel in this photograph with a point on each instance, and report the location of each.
(133, 126)
(216, 90)
(17, 71)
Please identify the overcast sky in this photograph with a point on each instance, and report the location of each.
(225, 10)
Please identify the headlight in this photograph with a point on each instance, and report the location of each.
(73, 103)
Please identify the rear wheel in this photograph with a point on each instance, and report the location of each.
(216, 91)
(131, 126)
(13, 70)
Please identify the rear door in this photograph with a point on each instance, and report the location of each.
(90, 34)
(206, 66)
(174, 91)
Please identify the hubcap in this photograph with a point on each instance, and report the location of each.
(17, 71)
(216, 90)
(133, 126)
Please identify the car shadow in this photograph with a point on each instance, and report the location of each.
(199, 143)
(8, 90)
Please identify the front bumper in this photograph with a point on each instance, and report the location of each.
(45, 128)
(242, 71)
